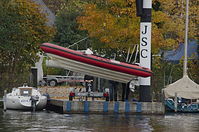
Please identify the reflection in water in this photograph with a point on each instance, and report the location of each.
(184, 122)
(11, 121)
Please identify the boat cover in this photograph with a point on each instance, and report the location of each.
(184, 88)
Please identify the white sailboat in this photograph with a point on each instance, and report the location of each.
(184, 87)
(25, 98)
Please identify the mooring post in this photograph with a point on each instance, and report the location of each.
(4, 100)
(176, 102)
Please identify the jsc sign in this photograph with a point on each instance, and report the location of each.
(145, 48)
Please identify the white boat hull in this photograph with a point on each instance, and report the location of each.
(72, 65)
(23, 98)
(24, 103)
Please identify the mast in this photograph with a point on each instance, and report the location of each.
(186, 38)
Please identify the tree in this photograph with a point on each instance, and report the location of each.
(66, 25)
(54, 5)
(175, 9)
(114, 23)
(23, 28)
(193, 70)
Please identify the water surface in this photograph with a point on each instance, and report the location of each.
(47, 121)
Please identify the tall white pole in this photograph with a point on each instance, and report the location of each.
(186, 38)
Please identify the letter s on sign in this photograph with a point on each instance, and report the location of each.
(144, 40)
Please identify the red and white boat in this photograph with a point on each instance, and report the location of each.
(93, 65)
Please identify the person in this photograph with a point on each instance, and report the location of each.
(89, 83)
(113, 90)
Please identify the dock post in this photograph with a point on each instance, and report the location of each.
(176, 102)
(4, 100)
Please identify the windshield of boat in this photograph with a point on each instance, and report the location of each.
(25, 91)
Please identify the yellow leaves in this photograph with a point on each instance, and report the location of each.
(30, 20)
(90, 6)
(158, 16)
(118, 2)
(95, 21)
(175, 9)
(105, 39)
(116, 24)
(109, 25)
(171, 43)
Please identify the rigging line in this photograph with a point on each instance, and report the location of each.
(132, 53)
(77, 42)
(136, 54)
(128, 55)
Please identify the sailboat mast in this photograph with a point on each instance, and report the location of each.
(186, 38)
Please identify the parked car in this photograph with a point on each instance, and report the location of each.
(54, 80)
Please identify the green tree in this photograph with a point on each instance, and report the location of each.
(54, 5)
(66, 25)
(23, 28)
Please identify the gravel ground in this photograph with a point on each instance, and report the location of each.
(59, 91)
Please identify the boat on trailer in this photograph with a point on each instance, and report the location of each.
(93, 65)
(25, 98)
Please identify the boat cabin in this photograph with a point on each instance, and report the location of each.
(25, 91)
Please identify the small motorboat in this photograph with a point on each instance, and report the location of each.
(25, 98)
(94, 65)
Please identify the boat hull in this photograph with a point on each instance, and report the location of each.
(181, 107)
(93, 65)
(24, 103)
(89, 69)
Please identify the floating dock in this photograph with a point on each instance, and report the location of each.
(105, 107)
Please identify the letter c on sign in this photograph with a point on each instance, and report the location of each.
(144, 50)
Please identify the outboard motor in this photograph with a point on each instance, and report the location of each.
(34, 100)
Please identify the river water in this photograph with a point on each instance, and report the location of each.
(48, 121)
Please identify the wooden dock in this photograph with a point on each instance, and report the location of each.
(106, 107)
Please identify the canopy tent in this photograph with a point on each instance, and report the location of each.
(184, 88)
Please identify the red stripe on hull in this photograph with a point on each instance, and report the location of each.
(96, 61)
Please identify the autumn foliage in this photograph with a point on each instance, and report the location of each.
(23, 28)
(114, 22)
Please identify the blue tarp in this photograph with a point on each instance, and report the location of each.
(177, 54)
